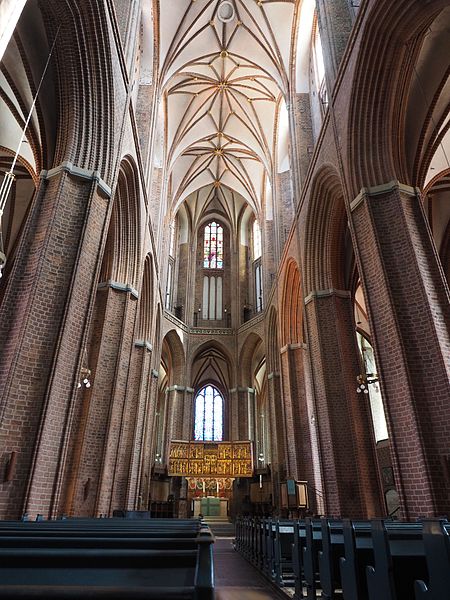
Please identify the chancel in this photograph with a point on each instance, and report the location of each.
(224, 298)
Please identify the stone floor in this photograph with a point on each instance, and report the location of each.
(236, 579)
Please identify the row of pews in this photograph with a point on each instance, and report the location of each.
(351, 560)
(113, 559)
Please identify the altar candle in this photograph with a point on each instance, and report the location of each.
(203, 487)
(217, 485)
(260, 481)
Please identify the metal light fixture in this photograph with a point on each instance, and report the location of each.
(85, 373)
(364, 380)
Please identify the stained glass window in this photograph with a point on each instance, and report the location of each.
(213, 246)
(208, 414)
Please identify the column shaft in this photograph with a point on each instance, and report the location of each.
(407, 299)
(343, 422)
(43, 322)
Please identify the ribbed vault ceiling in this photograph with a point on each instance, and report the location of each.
(223, 81)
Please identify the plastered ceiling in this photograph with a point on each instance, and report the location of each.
(224, 68)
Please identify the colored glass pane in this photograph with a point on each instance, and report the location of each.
(208, 424)
(213, 246)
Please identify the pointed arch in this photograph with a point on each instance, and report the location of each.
(253, 346)
(392, 37)
(292, 306)
(325, 234)
(145, 321)
(122, 252)
(173, 356)
(273, 346)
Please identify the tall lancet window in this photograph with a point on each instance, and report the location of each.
(208, 415)
(256, 240)
(213, 246)
(257, 266)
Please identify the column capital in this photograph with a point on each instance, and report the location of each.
(179, 388)
(297, 346)
(119, 287)
(327, 294)
(144, 344)
(71, 169)
(381, 190)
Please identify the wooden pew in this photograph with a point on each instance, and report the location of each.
(353, 563)
(283, 540)
(333, 556)
(399, 558)
(328, 559)
(436, 540)
(111, 559)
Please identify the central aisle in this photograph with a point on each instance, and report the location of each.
(236, 579)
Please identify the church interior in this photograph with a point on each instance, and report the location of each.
(225, 258)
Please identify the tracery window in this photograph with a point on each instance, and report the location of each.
(213, 246)
(208, 413)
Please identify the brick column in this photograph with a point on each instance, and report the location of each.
(99, 479)
(408, 304)
(303, 141)
(234, 412)
(343, 422)
(242, 413)
(335, 24)
(149, 442)
(112, 491)
(175, 414)
(182, 283)
(298, 438)
(43, 323)
(136, 411)
(277, 429)
(188, 414)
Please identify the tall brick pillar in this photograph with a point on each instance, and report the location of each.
(101, 482)
(298, 438)
(149, 442)
(188, 414)
(234, 412)
(335, 24)
(245, 413)
(278, 434)
(181, 296)
(408, 304)
(175, 414)
(302, 143)
(137, 410)
(342, 418)
(174, 431)
(43, 326)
